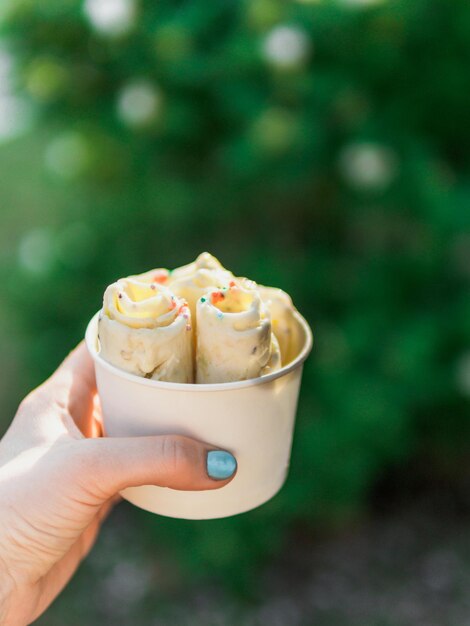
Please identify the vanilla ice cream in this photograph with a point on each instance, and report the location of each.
(146, 330)
(281, 310)
(234, 338)
(197, 323)
(195, 279)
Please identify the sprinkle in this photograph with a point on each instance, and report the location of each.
(120, 296)
(220, 315)
(232, 283)
(217, 296)
(203, 299)
(188, 326)
(152, 286)
(160, 277)
(172, 305)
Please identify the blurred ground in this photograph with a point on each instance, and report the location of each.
(405, 565)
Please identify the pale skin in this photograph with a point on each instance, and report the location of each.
(59, 479)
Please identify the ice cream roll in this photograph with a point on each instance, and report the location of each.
(146, 330)
(159, 275)
(234, 338)
(196, 279)
(281, 310)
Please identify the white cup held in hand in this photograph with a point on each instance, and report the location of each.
(253, 419)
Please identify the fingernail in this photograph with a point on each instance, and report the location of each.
(220, 464)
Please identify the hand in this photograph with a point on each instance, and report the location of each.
(59, 478)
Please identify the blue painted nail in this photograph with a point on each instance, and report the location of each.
(220, 464)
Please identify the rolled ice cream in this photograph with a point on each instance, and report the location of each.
(234, 338)
(146, 330)
(194, 280)
(198, 323)
(281, 311)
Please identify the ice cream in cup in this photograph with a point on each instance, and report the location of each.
(146, 330)
(234, 336)
(192, 281)
(246, 388)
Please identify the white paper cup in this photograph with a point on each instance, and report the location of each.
(253, 419)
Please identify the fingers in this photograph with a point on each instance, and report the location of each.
(63, 405)
(73, 385)
(109, 465)
(76, 370)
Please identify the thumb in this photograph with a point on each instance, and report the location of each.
(111, 464)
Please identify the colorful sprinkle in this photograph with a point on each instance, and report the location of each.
(220, 315)
(203, 299)
(160, 277)
(172, 305)
(232, 283)
(152, 286)
(188, 326)
(120, 296)
(217, 296)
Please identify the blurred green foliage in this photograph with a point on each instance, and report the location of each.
(318, 146)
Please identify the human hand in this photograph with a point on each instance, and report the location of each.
(59, 478)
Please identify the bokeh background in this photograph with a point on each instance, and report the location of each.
(321, 146)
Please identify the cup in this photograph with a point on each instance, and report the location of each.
(253, 419)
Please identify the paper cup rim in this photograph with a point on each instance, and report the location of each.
(91, 338)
